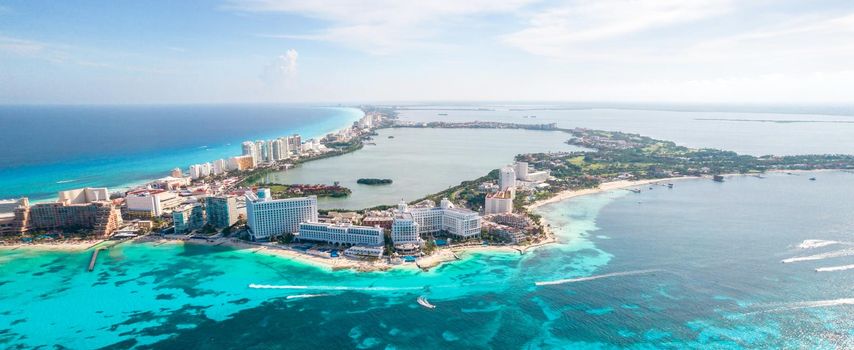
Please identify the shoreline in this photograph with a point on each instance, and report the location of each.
(136, 183)
(603, 187)
(425, 263)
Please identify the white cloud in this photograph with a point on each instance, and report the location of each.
(379, 26)
(282, 70)
(563, 31)
(21, 46)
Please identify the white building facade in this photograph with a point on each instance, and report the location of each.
(268, 218)
(344, 234)
(456, 222)
(498, 203)
(506, 179)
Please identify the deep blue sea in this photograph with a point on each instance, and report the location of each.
(698, 266)
(46, 149)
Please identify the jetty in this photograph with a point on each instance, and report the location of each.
(94, 259)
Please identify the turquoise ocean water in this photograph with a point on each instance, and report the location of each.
(697, 266)
(46, 149)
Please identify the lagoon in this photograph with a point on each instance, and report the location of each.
(419, 162)
(786, 132)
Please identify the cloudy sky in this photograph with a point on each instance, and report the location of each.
(776, 51)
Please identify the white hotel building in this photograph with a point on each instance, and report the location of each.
(411, 223)
(341, 234)
(268, 218)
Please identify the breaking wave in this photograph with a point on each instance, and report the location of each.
(596, 277)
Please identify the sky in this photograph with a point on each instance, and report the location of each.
(292, 51)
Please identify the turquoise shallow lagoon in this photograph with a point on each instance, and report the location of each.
(696, 266)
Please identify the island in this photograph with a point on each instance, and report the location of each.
(299, 190)
(372, 181)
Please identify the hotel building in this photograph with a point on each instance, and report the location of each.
(244, 162)
(341, 234)
(523, 173)
(268, 217)
(412, 223)
(360, 251)
(147, 203)
(249, 149)
(507, 179)
(13, 216)
(221, 211)
(499, 202)
(86, 208)
(219, 167)
(188, 217)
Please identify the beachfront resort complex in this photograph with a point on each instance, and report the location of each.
(222, 199)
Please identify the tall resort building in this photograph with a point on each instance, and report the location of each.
(249, 149)
(188, 217)
(221, 211)
(268, 217)
(507, 179)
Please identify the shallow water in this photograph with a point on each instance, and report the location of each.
(696, 266)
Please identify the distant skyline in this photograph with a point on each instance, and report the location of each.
(246, 51)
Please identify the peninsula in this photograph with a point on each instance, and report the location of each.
(495, 211)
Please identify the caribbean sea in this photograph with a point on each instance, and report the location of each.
(703, 265)
(46, 149)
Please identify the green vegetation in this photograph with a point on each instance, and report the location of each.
(297, 190)
(429, 246)
(372, 181)
(466, 191)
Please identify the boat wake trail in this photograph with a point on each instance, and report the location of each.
(835, 268)
(822, 256)
(374, 289)
(303, 296)
(807, 305)
(816, 243)
(596, 277)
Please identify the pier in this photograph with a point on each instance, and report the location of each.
(94, 259)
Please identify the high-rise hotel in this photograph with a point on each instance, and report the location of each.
(268, 217)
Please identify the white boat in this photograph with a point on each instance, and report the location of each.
(423, 302)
